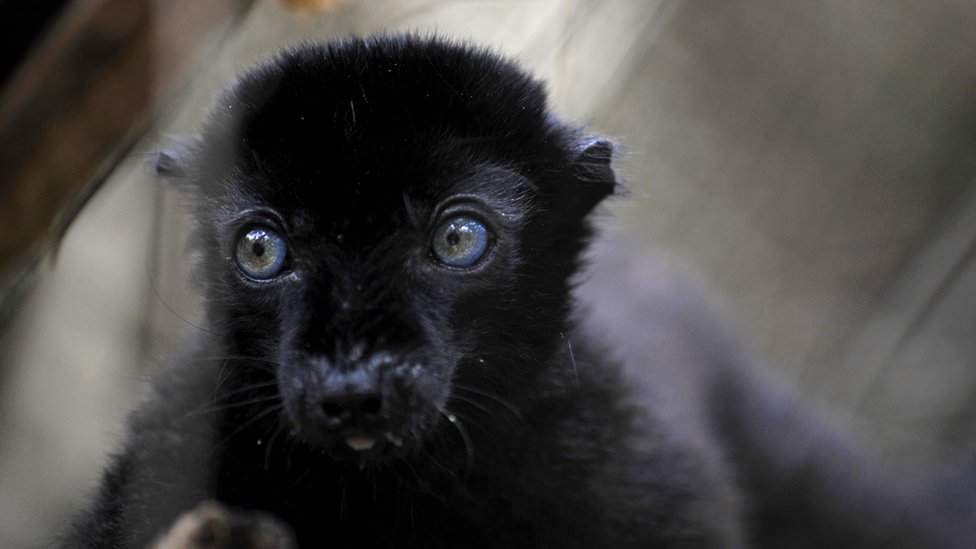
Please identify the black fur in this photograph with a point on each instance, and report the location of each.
(502, 415)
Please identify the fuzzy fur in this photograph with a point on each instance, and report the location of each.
(520, 418)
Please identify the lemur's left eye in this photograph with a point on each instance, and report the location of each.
(460, 241)
(261, 253)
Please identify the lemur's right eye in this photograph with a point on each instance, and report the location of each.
(261, 253)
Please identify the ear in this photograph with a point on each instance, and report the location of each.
(594, 156)
(173, 162)
(595, 179)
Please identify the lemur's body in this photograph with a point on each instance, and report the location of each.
(389, 230)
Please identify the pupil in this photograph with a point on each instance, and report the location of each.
(453, 238)
(258, 249)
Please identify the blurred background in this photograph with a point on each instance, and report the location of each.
(813, 162)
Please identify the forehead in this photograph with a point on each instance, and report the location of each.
(359, 204)
(362, 128)
(374, 176)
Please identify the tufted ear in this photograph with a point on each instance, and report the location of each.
(595, 179)
(594, 156)
(173, 162)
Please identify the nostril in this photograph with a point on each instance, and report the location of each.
(371, 406)
(342, 411)
(333, 410)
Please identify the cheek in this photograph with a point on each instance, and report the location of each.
(490, 318)
(295, 378)
(427, 382)
(291, 387)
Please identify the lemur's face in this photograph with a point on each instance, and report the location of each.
(381, 299)
(398, 254)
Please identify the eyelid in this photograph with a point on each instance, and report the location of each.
(462, 205)
(259, 216)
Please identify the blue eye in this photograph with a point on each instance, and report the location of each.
(460, 241)
(261, 253)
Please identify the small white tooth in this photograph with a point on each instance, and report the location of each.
(360, 444)
(397, 441)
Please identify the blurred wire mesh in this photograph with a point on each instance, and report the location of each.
(814, 161)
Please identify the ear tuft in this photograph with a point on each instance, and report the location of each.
(594, 176)
(167, 165)
(593, 165)
(596, 150)
(173, 162)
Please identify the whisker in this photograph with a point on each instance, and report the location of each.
(221, 378)
(267, 451)
(246, 388)
(252, 420)
(223, 401)
(470, 402)
(508, 405)
(469, 421)
(308, 470)
(439, 465)
(292, 446)
(155, 291)
(201, 358)
(468, 446)
(572, 358)
(256, 400)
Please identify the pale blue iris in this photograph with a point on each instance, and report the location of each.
(261, 253)
(460, 241)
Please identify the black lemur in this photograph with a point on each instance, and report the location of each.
(398, 351)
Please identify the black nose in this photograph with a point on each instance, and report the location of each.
(352, 399)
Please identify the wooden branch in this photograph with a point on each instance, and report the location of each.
(102, 70)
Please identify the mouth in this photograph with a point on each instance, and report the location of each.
(365, 442)
(360, 443)
(362, 414)
(354, 445)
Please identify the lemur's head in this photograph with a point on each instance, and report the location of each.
(388, 227)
